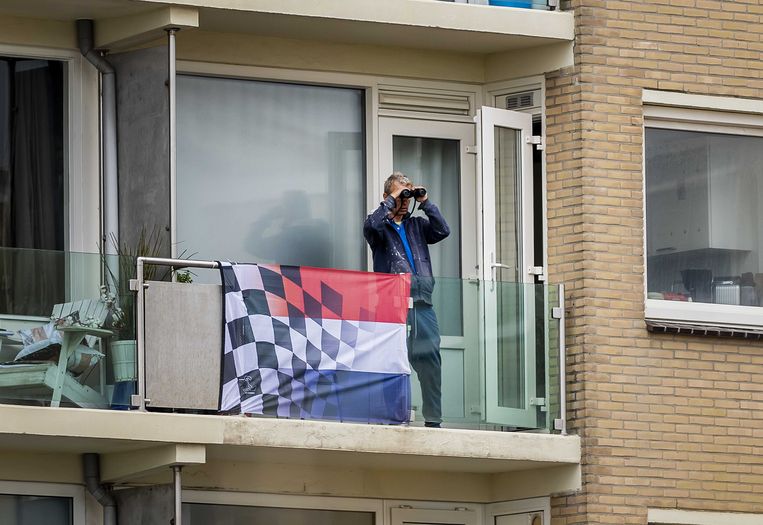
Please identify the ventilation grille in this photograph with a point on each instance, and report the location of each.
(521, 101)
(424, 102)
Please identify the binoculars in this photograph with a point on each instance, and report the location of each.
(415, 193)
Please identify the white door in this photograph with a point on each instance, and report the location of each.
(434, 154)
(505, 158)
(406, 516)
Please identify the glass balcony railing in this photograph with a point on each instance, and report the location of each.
(499, 344)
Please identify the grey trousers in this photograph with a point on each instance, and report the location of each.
(424, 356)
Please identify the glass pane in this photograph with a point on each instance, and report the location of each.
(31, 182)
(35, 510)
(511, 351)
(511, 359)
(436, 165)
(205, 514)
(507, 203)
(704, 211)
(270, 172)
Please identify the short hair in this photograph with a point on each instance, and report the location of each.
(397, 176)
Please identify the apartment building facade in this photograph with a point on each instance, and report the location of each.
(667, 409)
(609, 147)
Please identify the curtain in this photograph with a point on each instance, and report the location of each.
(31, 186)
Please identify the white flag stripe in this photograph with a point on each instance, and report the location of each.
(380, 347)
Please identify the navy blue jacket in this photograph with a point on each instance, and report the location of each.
(388, 250)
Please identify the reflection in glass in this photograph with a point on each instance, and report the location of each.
(704, 208)
(270, 172)
(35, 510)
(510, 299)
(208, 514)
(436, 165)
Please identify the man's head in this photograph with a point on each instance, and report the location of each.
(394, 184)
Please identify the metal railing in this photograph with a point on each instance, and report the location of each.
(140, 401)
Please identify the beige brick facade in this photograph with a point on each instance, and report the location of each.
(667, 421)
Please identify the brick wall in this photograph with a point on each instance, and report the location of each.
(666, 421)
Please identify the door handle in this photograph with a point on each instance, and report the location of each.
(501, 265)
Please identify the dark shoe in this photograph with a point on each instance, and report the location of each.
(430, 424)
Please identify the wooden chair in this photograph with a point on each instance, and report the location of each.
(40, 380)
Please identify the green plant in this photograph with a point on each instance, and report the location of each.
(183, 276)
(122, 267)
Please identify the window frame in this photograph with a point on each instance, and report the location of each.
(81, 163)
(56, 490)
(81, 156)
(698, 113)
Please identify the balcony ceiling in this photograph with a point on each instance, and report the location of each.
(421, 24)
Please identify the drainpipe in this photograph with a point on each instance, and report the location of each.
(102, 494)
(109, 134)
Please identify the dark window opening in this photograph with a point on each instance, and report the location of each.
(31, 185)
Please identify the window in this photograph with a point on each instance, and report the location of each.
(35, 510)
(209, 514)
(271, 172)
(27, 503)
(704, 216)
(31, 185)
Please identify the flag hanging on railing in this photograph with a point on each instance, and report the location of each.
(315, 343)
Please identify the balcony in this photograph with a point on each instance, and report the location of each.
(500, 377)
(501, 389)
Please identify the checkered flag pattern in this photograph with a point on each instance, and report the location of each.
(315, 343)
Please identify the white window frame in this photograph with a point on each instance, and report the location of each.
(81, 194)
(75, 492)
(81, 197)
(663, 110)
(692, 517)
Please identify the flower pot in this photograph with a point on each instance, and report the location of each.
(123, 356)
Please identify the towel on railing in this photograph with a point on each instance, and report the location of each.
(315, 343)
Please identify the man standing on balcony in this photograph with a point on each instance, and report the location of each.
(400, 244)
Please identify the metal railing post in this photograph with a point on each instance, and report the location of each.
(562, 362)
(139, 335)
(172, 98)
(178, 493)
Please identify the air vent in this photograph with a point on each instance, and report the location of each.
(424, 102)
(520, 100)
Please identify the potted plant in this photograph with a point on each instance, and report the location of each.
(119, 270)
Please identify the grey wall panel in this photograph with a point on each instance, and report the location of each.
(183, 345)
(143, 137)
(145, 505)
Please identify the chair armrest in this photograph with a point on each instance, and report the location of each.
(97, 332)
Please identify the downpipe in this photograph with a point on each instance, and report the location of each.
(91, 468)
(86, 44)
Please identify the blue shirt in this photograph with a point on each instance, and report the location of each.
(400, 229)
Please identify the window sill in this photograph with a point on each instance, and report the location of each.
(712, 318)
(673, 327)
